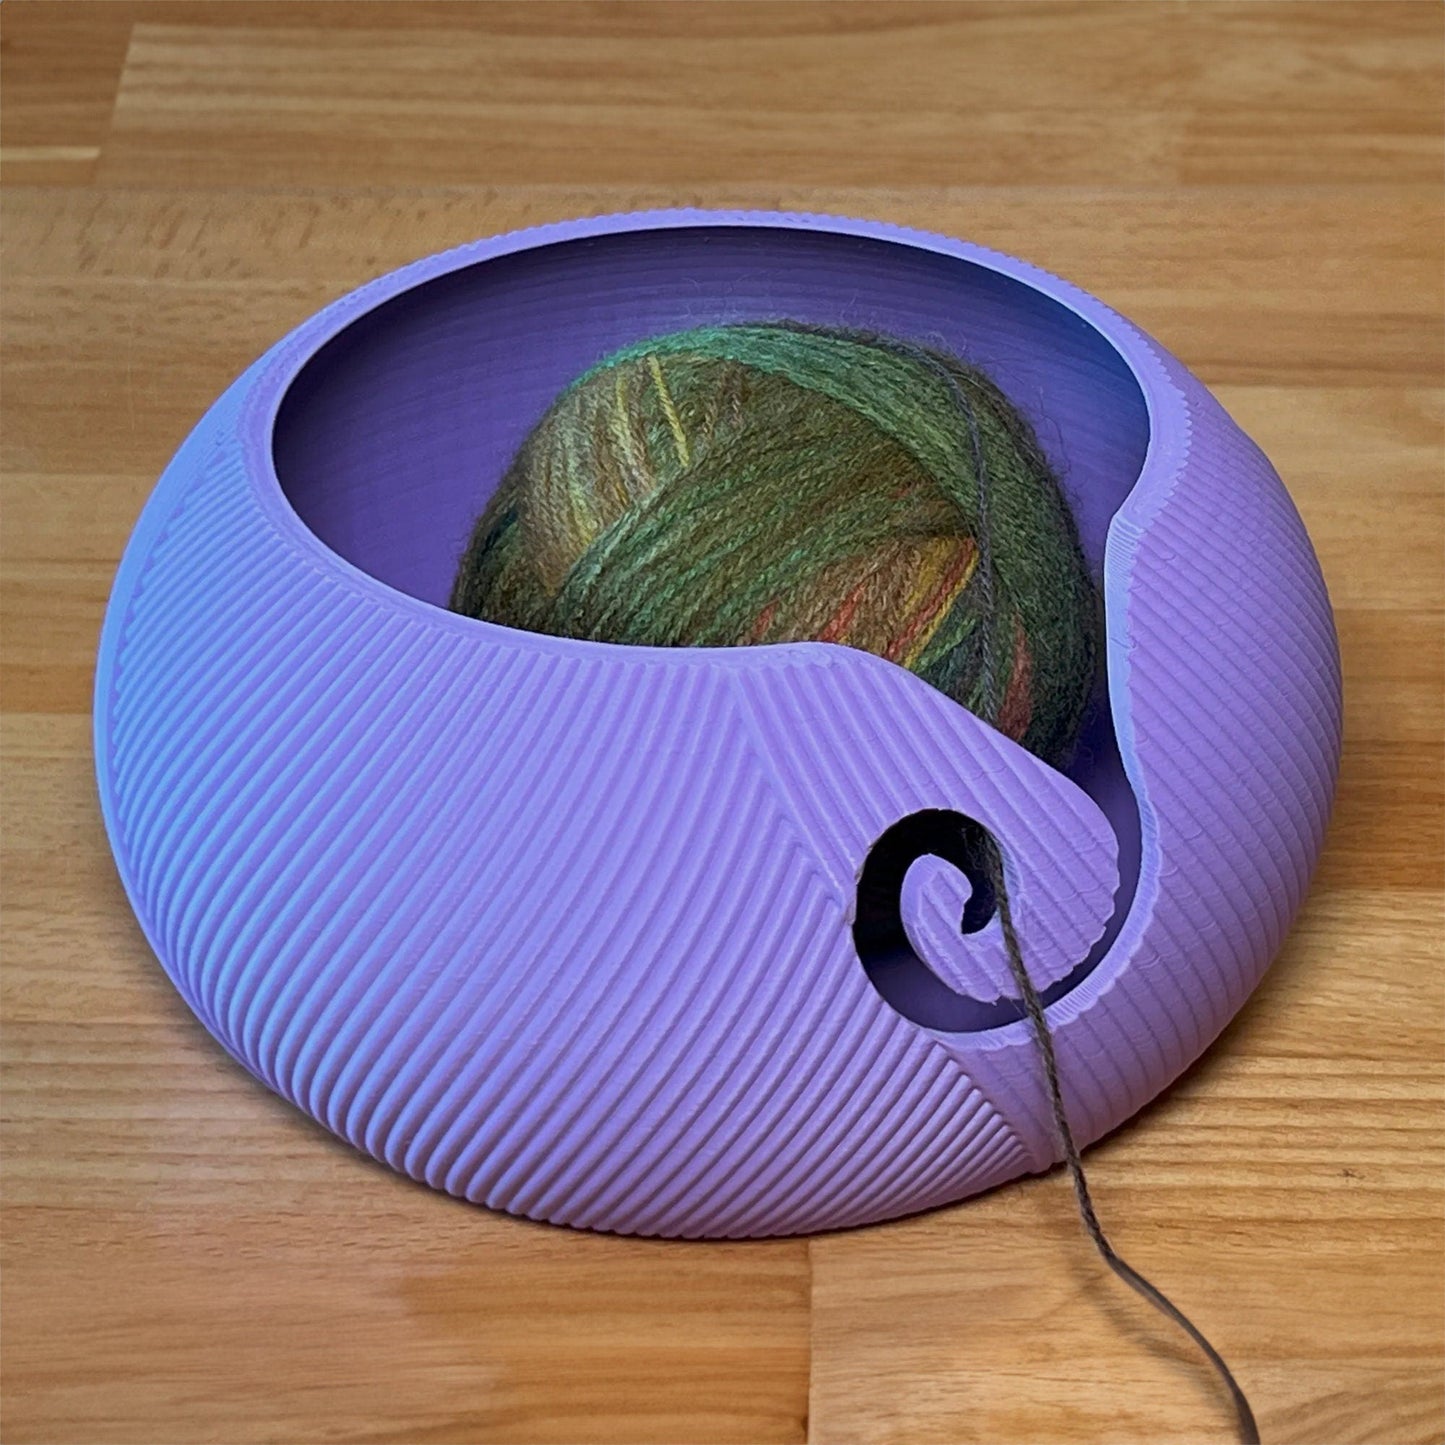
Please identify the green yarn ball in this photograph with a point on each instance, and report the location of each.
(775, 482)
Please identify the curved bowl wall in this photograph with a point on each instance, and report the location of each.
(565, 928)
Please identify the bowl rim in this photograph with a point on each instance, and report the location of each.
(273, 375)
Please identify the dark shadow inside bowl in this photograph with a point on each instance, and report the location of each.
(391, 438)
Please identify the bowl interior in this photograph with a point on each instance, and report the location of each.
(392, 437)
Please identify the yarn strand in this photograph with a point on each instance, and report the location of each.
(1246, 1428)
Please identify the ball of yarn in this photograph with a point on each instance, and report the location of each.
(759, 483)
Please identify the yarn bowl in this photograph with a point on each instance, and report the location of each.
(570, 928)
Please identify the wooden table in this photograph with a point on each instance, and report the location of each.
(1259, 185)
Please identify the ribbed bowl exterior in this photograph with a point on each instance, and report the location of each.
(564, 928)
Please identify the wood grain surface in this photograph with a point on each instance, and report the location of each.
(185, 1258)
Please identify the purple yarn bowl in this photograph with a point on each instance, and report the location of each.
(564, 927)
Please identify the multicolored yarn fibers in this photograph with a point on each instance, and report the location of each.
(771, 482)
